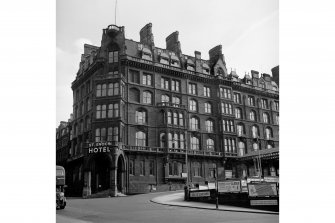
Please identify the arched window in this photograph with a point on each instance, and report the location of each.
(103, 111)
(194, 123)
(175, 118)
(98, 93)
(176, 101)
(141, 138)
(238, 113)
(210, 144)
(277, 119)
(182, 140)
(208, 107)
(265, 117)
(175, 143)
(134, 95)
(252, 116)
(98, 111)
(193, 105)
(162, 139)
(194, 143)
(147, 97)
(254, 131)
(88, 104)
(170, 140)
(141, 116)
(209, 126)
(82, 108)
(103, 90)
(165, 98)
(240, 129)
(241, 148)
(268, 133)
(255, 146)
(181, 119)
(269, 145)
(169, 117)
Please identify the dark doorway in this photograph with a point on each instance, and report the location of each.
(120, 174)
(100, 173)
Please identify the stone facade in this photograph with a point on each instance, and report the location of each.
(153, 106)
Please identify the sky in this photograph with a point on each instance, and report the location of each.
(248, 31)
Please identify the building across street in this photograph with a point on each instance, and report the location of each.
(151, 119)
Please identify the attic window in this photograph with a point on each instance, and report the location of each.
(190, 65)
(164, 59)
(174, 61)
(205, 68)
(220, 71)
(146, 54)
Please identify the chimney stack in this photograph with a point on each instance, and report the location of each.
(172, 42)
(146, 36)
(275, 74)
(215, 54)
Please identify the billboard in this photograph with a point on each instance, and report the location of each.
(262, 189)
(200, 194)
(230, 186)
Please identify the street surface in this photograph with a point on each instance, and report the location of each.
(138, 208)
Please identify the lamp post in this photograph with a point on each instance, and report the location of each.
(216, 187)
(259, 161)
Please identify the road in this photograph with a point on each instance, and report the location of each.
(138, 208)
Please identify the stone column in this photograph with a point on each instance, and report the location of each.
(87, 184)
(112, 181)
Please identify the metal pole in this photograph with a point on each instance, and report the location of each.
(217, 189)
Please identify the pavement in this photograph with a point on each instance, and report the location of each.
(177, 199)
(140, 209)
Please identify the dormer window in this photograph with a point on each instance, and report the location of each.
(175, 61)
(164, 58)
(220, 72)
(146, 54)
(190, 65)
(205, 68)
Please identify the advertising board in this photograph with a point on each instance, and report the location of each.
(271, 179)
(229, 186)
(263, 202)
(200, 194)
(229, 174)
(262, 189)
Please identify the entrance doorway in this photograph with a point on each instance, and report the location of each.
(120, 174)
(100, 167)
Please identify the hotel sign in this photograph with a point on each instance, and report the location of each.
(100, 147)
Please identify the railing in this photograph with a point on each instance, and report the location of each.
(170, 104)
(171, 150)
(231, 154)
(195, 152)
(144, 149)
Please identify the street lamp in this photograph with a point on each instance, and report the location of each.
(216, 187)
(259, 160)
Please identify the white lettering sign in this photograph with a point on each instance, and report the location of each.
(229, 186)
(200, 194)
